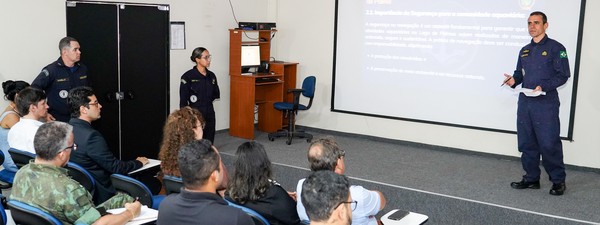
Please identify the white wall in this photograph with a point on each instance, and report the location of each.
(29, 38)
(308, 39)
(30, 31)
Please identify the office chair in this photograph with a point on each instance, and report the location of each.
(82, 176)
(135, 188)
(20, 157)
(172, 184)
(290, 109)
(25, 214)
(6, 177)
(256, 217)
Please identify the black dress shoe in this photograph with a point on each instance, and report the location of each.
(558, 189)
(525, 184)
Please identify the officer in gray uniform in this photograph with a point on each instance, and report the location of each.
(57, 78)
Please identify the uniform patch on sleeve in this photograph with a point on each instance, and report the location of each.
(183, 81)
(563, 54)
(45, 71)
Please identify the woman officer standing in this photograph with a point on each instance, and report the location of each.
(199, 88)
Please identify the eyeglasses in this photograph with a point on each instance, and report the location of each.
(207, 57)
(72, 147)
(352, 204)
(342, 153)
(96, 103)
(202, 125)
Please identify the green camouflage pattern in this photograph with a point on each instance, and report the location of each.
(52, 190)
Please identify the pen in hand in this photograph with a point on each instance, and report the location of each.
(505, 80)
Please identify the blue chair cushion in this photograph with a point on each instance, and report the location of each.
(7, 176)
(288, 106)
(156, 200)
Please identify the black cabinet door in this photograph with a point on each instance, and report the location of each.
(126, 50)
(144, 78)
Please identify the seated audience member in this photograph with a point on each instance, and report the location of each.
(9, 117)
(43, 183)
(327, 198)
(198, 203)
(183, 126)
(325, 154)
(31, 103)
(93, 153)
(252, 186)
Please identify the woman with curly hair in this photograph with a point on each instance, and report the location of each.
(252, 186)
(183, 126)
(9, 117)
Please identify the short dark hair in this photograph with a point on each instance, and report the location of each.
(79, 96)
(326, 159)
(65, 43)
(11, 88)
(197, 53)
(252, 174)
(51, 138)
(322, 192)
(197, 160)
(538, 13)
(28, 96)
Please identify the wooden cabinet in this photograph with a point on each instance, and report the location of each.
(248, 91)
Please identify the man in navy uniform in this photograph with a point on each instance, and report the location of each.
(57, 78)
(543, 66)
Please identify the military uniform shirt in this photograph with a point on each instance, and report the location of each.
(57, 80)
(543, 64)
(52, 190)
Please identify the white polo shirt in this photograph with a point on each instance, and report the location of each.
(22, 133)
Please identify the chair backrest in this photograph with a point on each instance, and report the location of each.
(256, 217)
(133, 188)
(82, 176)
(172, 184)
(308, 89)
(20, 157)
(26, 214)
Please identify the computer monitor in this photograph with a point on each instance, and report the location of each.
(250, 56)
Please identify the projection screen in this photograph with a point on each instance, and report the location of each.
(442, 62)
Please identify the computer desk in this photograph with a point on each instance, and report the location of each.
(246, 93)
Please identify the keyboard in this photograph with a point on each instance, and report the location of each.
(266, 79)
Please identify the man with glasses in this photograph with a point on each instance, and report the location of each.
(93, 153)
(327, 198)
(325, 154)
(44, 184)
(31, 104)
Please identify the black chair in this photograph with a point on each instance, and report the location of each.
(20, 157)
(256, 217)
(82, 176)
(290, 109)
(25, 214)
(135, 188)
(172, 184)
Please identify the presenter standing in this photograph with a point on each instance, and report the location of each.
(199, 88)
(542, 65)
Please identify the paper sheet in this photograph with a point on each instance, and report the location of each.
(145, 216)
